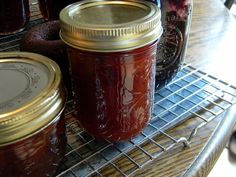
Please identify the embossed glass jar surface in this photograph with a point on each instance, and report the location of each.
(176, 21)
(112, 51)
(32, 128)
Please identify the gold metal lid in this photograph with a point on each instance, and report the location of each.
(110, 25)
(31, 94)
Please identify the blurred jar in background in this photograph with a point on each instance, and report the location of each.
(14, 15)
(50, 9)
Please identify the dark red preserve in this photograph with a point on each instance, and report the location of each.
(14, 15)
(50, 9)
(114, 91)
(112, 57)
(32, 125)
(38, 155)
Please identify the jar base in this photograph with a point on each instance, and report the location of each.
(12, 32)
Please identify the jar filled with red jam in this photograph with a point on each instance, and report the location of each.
(14, 15)
(32, 128)
(50, 9)
(112, 51)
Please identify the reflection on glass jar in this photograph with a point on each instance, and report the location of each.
(14, 15)
(39, 155)
(114, 91)
(112, 56)
(50, 9)
(32, 127)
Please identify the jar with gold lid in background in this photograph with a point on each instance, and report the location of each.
(32, 127)
(112, 52)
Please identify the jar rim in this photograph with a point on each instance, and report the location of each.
(98, 25)
(37, 106)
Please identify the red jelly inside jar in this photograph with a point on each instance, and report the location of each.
(112, 58)
(113, 91)
(38, 155)
(14, 15)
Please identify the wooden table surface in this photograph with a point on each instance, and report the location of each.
(211, 40)
(211, 47)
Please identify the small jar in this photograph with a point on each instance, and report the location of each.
(112, 53)
(50, 9)
(14, 15)
(32, 128)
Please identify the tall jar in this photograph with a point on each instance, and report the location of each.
(112, 52)
(176, 21)
(32, 128)
(14, 15)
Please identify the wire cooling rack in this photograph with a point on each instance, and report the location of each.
(192, 94)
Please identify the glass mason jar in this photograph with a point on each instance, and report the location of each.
(171, 51)
(50, 9)
(112, 57)
(14, 15)
(32, 128)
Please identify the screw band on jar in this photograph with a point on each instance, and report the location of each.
(32, 94)
(87, 27)
(32, 125)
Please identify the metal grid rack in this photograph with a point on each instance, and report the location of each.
(192, 94)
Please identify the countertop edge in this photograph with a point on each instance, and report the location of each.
(214, 147)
